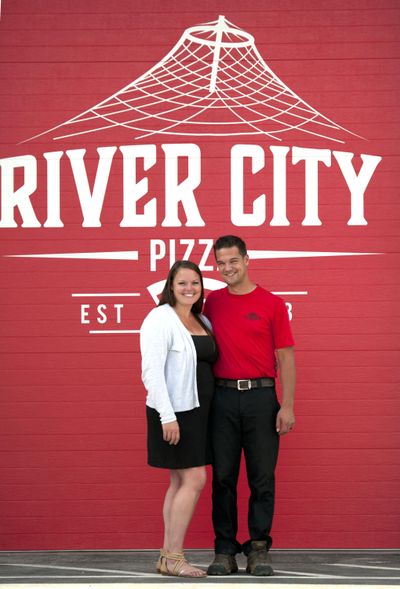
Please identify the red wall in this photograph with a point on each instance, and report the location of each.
(72, 432)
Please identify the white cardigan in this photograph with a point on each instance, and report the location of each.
(168, 363)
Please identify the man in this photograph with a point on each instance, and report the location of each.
(252, 330)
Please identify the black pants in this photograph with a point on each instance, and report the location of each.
(243, 419)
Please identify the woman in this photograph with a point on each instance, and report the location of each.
(178, 349)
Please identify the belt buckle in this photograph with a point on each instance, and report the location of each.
(244, 387)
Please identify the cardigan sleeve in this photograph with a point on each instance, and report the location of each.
(154, 344)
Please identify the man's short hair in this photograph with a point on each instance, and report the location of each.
(230, 241)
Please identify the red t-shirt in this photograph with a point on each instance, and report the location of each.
(248, 329)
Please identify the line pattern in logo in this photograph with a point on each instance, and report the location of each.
(213, 82)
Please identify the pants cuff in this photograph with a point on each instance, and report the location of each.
(246, 547)
(223, 546)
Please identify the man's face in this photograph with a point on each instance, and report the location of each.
(232, 265)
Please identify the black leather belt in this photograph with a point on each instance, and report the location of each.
(245, 384)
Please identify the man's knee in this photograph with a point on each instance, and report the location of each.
(225, 476)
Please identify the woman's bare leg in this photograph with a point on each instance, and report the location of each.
(168, 501)
(179, 504)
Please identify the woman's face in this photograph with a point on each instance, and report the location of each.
(186, 287)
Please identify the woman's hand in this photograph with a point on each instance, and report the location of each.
(171, 432)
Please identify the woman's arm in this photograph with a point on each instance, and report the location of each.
(154, 344)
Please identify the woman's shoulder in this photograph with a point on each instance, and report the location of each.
(158, 315)
(160, 309)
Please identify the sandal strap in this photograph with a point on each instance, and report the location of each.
(162, 554)
(180, 562)
(177, 567)
(174, 555)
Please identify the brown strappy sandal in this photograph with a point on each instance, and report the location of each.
(178, 569)
(158, 565)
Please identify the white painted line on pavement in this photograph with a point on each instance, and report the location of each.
(310, 575)
(365, 566)
(83, 569)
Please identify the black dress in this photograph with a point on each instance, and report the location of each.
(193, 448)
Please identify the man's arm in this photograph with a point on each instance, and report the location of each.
(287, 372)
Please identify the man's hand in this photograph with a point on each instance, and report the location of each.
(284, 421)
(171, 432)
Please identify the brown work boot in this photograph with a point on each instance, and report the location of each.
(258, 560)
(223, 564)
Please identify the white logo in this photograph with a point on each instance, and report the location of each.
(213, 82)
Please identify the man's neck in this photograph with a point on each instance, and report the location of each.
(241, 289)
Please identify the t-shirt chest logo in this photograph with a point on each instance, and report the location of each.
(253, 316)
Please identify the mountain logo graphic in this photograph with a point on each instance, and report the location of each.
(213, 82)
